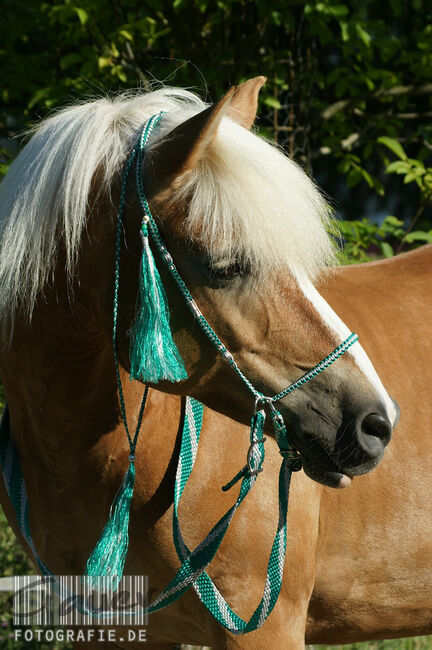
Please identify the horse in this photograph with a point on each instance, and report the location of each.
(249, 233)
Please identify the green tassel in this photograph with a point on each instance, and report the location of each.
(153, 355)
(108, 557)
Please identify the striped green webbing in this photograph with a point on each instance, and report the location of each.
(196, 560)
(191, 572)
(204, 586)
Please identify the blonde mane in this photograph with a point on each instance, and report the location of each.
(250, 200)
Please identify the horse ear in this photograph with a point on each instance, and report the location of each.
(182, 149)
(244, 104)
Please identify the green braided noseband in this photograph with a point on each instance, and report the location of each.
(149, 226)
(154, 356)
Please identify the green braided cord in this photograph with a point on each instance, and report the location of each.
(197, 560)
(316, 370)
(205, 326)
(120, 212)
(214, 601)
(194, 563)
(286, 449)
(15, 485)
(204, 586)
(106, 562)
(153, 353)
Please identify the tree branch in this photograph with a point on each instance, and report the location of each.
(412, 223)
(396, 91)
(134, 65)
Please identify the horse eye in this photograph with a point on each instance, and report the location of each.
(227, 272)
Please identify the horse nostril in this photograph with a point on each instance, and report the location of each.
(378, 426)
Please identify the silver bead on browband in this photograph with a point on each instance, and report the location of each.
(167, 258)
(226, 354)
(194, 307)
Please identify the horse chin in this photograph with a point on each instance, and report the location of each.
(329, 477)
(325, 471)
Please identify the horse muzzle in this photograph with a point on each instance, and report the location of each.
(333, 458)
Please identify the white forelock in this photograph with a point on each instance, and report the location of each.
(251, 201)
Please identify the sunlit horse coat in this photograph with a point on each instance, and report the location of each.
(247, 230)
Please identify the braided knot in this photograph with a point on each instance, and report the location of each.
(292, 458)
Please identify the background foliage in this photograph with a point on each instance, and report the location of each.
(349, 96)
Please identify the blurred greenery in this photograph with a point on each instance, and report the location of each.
(364, 240)
(349, 92)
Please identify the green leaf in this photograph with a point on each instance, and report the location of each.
(82, 15)
(417, 163)
(378, 186)
(127, 35)
(419, 235)
(344, 27)
(410, 177)
(117, 71)
(271, 101)
(104, 62)
(386, 249)
(332, 10)
(338, 10)
(398, 167)
(346, 228)
(363, 35)
(344, 166)
(354, 177)
(69, 60)
(276, 17)
(394, 146)
(38, 96)
(367, 177)
(393, 221)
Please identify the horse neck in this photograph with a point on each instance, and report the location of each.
(59, 379)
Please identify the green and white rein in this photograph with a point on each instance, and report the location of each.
(154, 356)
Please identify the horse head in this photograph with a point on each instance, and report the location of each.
(248, 232)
